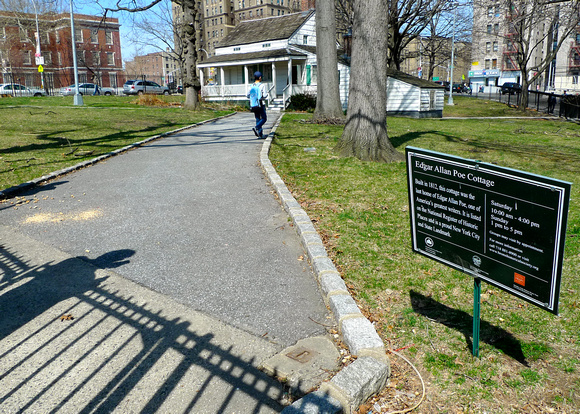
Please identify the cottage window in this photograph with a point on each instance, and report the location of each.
(305, 40)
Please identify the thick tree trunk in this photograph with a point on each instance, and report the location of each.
(191, 82)
(328, 104)
(365, 133)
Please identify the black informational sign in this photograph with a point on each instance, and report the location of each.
(504, 226)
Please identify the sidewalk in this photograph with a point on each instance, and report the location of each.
(179, 270)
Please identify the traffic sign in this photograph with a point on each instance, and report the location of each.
(40, 69)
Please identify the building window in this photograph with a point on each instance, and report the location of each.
(23, 35)
(305, 40)
(495, 47)
(78, 35)
(47, 58)
(490, 12)
(494, 63)
(94, 36)
(497, 10)
(59, 58)
(57, 37)
(487, 63)
(26, 58)
(489, 29)
(488, 47)
(496, 28)
(96, 58)
(110, 58)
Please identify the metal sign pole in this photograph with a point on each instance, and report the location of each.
(476, 314)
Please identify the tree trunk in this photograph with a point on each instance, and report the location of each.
(365, 133)
(191, 83)
(328, 104)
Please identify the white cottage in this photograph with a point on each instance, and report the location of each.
(282, 48)
(413, 97)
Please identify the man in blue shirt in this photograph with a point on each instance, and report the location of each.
(257, 95)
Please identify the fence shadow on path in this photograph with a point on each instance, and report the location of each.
(72, 342)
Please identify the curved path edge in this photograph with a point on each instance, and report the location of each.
(15, 190)
(368, 374)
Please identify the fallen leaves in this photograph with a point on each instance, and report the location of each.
(67, 317)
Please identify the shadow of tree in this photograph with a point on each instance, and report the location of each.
(463, 322)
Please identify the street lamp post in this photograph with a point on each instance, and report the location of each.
(450, 101)
(38, 54)
(78, 98)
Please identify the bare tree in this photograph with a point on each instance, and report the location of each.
(189, 33)
(365, 133)
(327, 98)
(407, 19)
(159, 28)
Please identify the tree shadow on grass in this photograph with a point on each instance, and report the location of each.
(58, 140)
(400, 140)
(463, 322)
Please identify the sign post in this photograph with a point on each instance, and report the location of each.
(499, 225)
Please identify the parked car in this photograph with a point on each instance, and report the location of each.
(180, 89)
(15, 89)
(139, 87)
(86, 89)
(443, 83)
(511, 88)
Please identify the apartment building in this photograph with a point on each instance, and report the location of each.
(160, 67)
(495, 50)
(97, 42)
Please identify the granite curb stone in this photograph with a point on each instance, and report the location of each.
(366, 375)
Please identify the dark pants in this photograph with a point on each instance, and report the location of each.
(261, 118)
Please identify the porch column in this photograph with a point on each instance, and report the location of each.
(202, 83)
(246, 79)
(289, 77)
(274, 81)
(223, 79)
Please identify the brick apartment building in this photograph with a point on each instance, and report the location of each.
(98, 49)
(160, 67)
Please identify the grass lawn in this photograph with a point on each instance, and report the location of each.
(529, 358)
(45, 134)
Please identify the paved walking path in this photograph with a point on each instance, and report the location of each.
(180, 273)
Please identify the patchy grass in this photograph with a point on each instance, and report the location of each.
(529, 357)
(41, 135)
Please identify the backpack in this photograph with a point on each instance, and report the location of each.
(255, 95)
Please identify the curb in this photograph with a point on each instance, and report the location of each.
(12, 191)
(355, 383)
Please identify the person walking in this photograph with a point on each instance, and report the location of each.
(257, 95)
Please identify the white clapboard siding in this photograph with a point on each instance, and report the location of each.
(402, 97)
(308, 29)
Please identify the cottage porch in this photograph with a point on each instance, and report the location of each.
(285, 73)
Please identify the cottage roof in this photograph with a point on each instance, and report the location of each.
(413, 80)
(267, 29)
